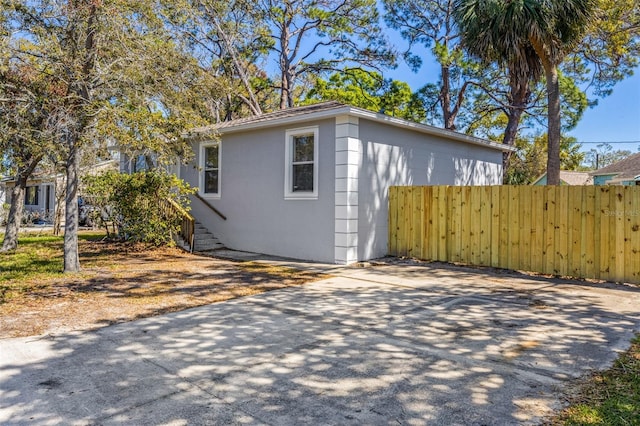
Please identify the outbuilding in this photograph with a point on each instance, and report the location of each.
(312, 182)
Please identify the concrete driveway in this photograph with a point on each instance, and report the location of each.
(388, 344)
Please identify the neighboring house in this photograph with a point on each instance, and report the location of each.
(40, 194)
(623, 172)
(567, 178)
(312, 182)
(143, 162)
(136, 163)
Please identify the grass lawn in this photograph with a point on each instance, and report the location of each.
(118, 282)
(37, 259)
(611, 397)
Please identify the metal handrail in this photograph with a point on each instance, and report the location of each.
(206, 203)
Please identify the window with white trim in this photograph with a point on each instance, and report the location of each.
(31, 195)
(301, 174)
(210, 170)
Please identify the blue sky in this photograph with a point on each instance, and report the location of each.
(615, 118)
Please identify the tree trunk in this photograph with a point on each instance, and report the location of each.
(71, 258)
(553, 132)
(59, 191)
(553, 112)
(445, 100)
(286, 97)
(511, 131)
(509, 138)
(14, 219)
(290, 94)
(519, 94)
(252, 103)
(10, 241)
(286, 72)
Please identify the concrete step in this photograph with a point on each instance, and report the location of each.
(181, 243)
(208, 247)
(201, 236)
(204, 240)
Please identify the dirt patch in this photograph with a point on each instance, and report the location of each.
(121, 284)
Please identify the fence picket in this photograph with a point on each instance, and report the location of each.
(587, 232)
(634, 230)
(524, 246)
(485, 225)
(537, 228)
(495, 225)
(620, 211)
(605, 219)
(587, 264)
(443, 230)
(393, 219)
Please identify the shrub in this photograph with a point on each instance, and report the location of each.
(134, 204)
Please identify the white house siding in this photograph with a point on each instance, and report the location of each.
(43, 190)
(259, 219)
(394, 156)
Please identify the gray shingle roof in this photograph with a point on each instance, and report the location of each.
(326, 110)
(627, 168)
(283, 113)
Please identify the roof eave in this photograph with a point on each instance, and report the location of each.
(242, 127)
(538, 179)
(356, 112)
(430, 130)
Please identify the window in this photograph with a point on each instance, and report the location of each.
(210, 166)
(301, 176)
(31, 196)
(143, 162)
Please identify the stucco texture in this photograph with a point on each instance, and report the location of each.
(259, 219)
(393, 156)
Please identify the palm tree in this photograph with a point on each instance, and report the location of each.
(528, 35)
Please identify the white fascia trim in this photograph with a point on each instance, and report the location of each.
(331, 113)
(369, 115)
(288, 161)
(201, 192)
(423, 128)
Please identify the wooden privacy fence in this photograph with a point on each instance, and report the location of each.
(579, 231)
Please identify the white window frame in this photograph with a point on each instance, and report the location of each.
(36, 190)
(289, 194)
(201, 169)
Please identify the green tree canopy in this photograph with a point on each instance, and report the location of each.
(512, 31)
(430, 23)
(603, 155)
(369, 90)
(311, 37)
(119, 78)
(27, 132)
(529, 161)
